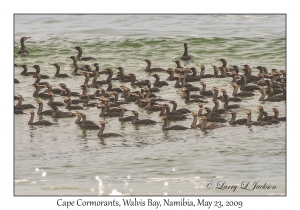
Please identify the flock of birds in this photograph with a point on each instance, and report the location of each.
(271, 84)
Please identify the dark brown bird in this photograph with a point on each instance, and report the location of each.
(149, 69)
(79, 49)
(259, 123)
(186, 56)
(57, 74)
(106, 135)
(40, 122)
(23, 50)
(136, 119)
(174, 127)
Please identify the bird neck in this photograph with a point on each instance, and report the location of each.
(110, 74)
(97, 68)
(109, 86)
(248, 119)
(174, 106)
(138, 99)
(87, 98)
(55, 109)
(266, 115)
(272, 79)
(24, 70)
(157, 78)
(49, 88)
(116, 98)
(102, 112)
(148, 105)
(31, 118)
(68, 104)
(171, 73)
(126, 94)
(76, 69)
(235, 90)
(96, 75)
(57, 70)
(276, 78)
(136, 117)
(79, 54)
(209, 112)
(178, 65)
(87, 78)
(182, 82)
(216, 107)
(68, 92)
(263, 95)
(148, 84)
(148, 65)
(177, 82)
(37, 69)
(260, 116)
(38, 79)
(121, 114)
(74, 62)
(203, 88)
(122, 73)
(77, 121)
(167, 109)
(243, 83)
(216, 71)
(101, 130)
(236, 69)
(133, 79)
(162, 111)
(188, 95)
(107, 106)
(226, 98)
(265, 70)
(216, 93)
(247, 73)
(262, 79)
(37, 90)
(203, 124)
(234, 79)
(271, 92)
(185, 50)
(165, 124)
(223, 70)
(194, 123)
(224, 63)
(200, 110)
(275, 115)
(194, 72)
(51, 99)
(83, 120)
(202, 72)
(40, 109)
(23, 44)
(233, 117)
(261, 70)
(147, 93)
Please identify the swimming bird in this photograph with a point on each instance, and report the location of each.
(149, 69)
(79, 49)
(106, 135)
(186, 56)
(57, 74)
(40, 122)
(23, 49)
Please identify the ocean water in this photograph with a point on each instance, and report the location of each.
(65, 160)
